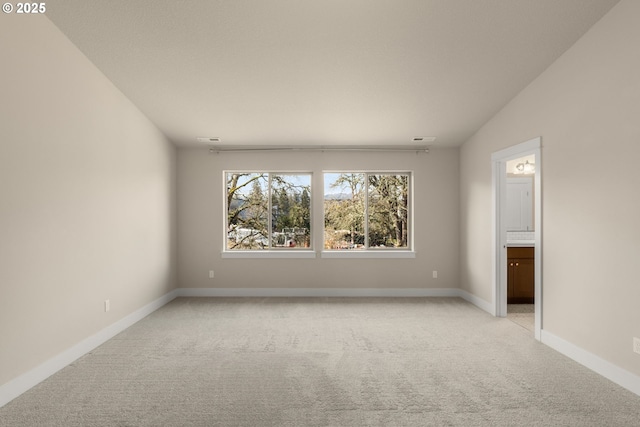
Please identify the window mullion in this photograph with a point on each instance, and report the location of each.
(366, 211)
(270, 214)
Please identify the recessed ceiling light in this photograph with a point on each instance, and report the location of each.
(423, 139)
(208, 139)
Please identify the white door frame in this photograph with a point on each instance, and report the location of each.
(499, 191)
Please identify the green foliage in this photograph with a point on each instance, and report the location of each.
(388, 210)
(380, 207)
(250, 215)
(370, 211)
(247, 210)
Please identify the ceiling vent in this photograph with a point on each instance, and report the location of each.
(208, 139)
(423, 139)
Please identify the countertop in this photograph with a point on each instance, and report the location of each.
(520, 243)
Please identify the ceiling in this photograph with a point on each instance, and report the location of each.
(331, 72)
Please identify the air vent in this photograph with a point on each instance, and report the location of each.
(423, 139)
(208, 139)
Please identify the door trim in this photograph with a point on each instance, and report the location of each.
(499, 233)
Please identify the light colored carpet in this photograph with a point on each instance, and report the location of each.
(323, 362)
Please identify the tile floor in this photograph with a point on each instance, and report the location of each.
(522, 314)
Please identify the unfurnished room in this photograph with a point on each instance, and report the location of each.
(320, 213)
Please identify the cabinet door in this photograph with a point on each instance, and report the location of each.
(523, 283)
(511, 271)
(519, 204)
(520, 275)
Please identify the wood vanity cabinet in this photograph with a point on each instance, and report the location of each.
(520, 275)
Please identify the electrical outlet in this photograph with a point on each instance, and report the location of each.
(107, 305)
(636, 345)
(435, 274)
(211, 274)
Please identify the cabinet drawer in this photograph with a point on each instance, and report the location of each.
(520, 252)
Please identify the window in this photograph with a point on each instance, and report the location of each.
(366, 210)
(268, 211)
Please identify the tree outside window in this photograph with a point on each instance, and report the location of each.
(366, 210)
(268, 210)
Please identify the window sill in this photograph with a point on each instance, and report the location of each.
(269, 254)
(368, 254)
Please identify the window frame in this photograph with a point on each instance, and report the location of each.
(272, 251)
(367, 251)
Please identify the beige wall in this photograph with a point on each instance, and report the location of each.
(586, 108)
(87, 199)
(201, 223)
(88, 212)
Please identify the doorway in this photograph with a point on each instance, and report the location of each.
(529, 223)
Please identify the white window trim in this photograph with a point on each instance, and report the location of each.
(273, 254)
(369, 253)
(267, 253)
(310, 253)
(398, 253)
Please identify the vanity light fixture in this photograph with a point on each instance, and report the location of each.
(526, 167)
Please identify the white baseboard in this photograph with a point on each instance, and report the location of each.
(24, 382)
(318, 292)
(608, 370)
(478, 302)
(337, 292)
